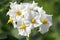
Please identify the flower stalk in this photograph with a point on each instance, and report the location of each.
(27, 38)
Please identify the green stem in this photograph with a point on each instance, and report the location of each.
(27, 38)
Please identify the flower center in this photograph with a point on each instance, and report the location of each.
(33, 20)
(18, 13)
(10, 20)
(44, 21)
(23, 26)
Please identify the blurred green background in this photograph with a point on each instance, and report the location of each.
(7, 32)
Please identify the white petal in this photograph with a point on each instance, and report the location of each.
(44, 28)
(40, 10)
(34, 14)
(38, 23)
(14, 24)
(28, 30)
(50, 23)
(21, 32)
(49, 17)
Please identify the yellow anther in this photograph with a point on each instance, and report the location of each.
(23, 26)
(18, 13)
(44, 21)
(33, 20)
(10, 21)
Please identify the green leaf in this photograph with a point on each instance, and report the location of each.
(14, 32)
(3, 36)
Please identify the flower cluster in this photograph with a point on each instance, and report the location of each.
(27, 16)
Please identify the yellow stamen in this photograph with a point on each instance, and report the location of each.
(10, 21)
(23, 26)
(33, 20)
(18, 13)
(44, 21)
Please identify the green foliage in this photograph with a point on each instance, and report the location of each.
(7, 32)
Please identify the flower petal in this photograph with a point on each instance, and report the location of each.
(44, 28)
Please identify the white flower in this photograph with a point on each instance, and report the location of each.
(45, 19)
(33, 19)
(16, 11)
(33, 5)
(24, 31)
(23, 28)
(30, 6)
(46, 23)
